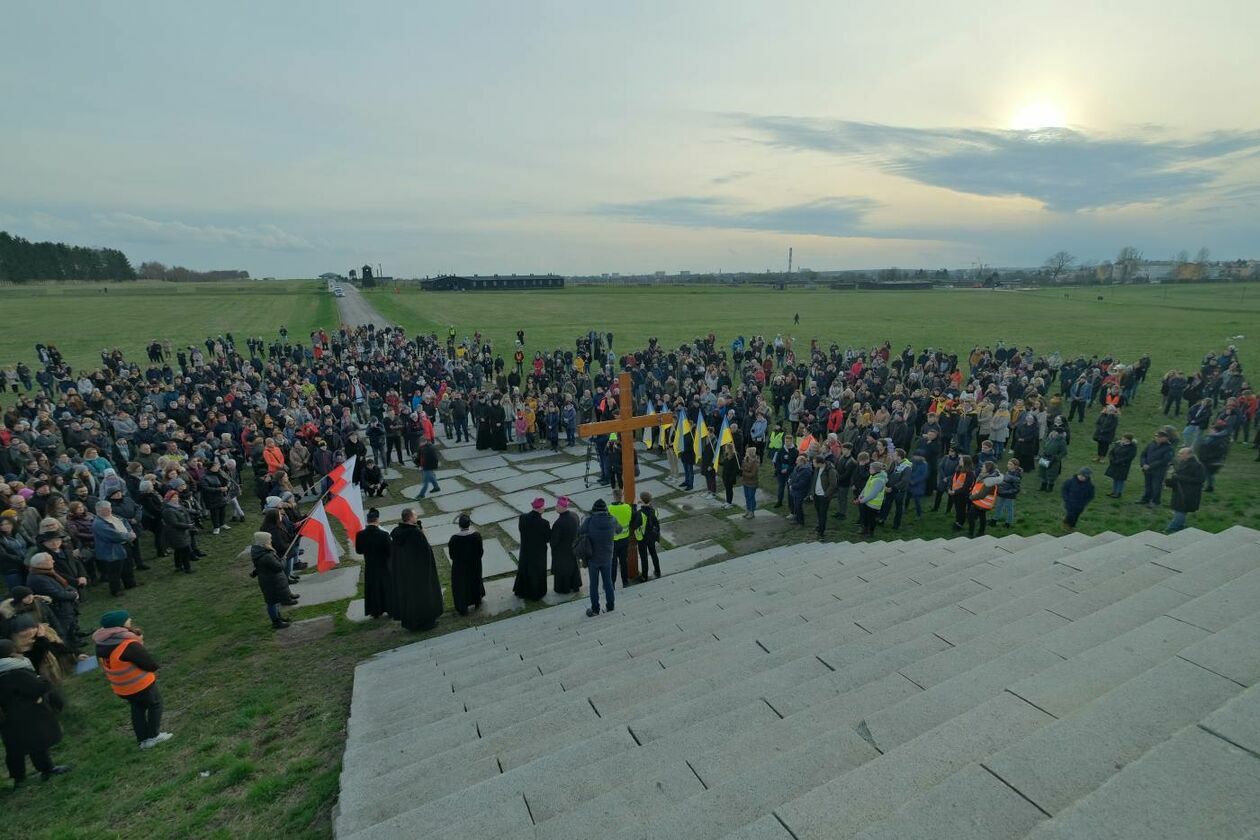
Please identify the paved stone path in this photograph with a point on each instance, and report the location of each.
(496, 487)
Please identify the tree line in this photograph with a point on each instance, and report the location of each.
(179, 274)
(22, 260)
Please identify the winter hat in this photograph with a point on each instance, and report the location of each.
(26, 493)
(22, 621)
(146, 486)
(171, 495)
(600, 505)
(262, 538)
(273, 502)
(562, 503)
(538, 504)
(1085, 471)
(115, 618)
(17, 593)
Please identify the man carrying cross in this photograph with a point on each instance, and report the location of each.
(626, 424)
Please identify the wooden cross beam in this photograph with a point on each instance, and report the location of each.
(626, 424)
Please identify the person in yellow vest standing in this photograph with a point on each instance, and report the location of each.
(622, 512)
(871, 500)
(132, 674)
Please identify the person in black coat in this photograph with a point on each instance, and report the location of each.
(1119, 462)
(1187, 480)
(417, 598)
(1105, 430)
(1077, 493)
(272, 579)
(535, 534)
(465, 550)
(373, 544)
(567, 577)
(1156, 458)
(30, 707)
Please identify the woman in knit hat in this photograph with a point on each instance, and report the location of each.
(272, 580)
(132, 674)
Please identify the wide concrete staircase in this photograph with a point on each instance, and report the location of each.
(1078, 687)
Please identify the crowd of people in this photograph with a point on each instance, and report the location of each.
(106, 471)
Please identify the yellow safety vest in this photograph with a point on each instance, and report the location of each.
(622, 514)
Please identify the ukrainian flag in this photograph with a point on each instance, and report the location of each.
(650, 430)
(681, 433)
(697, 439)
(724, 437)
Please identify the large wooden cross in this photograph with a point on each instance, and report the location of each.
(626, 424)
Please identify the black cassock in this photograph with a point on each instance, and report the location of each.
(466, 587)
(482, 416)
(373, 544)
(498, 428)
(564, 565)
(531, 574)
(417, 598)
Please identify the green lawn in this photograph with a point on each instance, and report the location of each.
(83, 318)
(266, 723)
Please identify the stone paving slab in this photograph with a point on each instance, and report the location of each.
(450, 503)
(496, 560)
(493, 512)
(355, 613)
(522, 499)
(492, 475)
(391, 513)
(697, 500)
(1238, 720)
(530, 455)
(333, 585)
(463, 452)
(520, 482)
(568, 487)
(538, 466)
(445, 485)
(485, 462)
(391, 474)
(574, 470)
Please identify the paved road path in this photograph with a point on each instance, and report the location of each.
(355, 310)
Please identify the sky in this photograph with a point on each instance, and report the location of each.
(586, 136)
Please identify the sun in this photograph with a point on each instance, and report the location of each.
(1037, 115)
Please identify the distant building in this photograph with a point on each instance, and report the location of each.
(497, 282)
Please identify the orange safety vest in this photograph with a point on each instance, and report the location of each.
(805, 444)
(959, 479)
(985, 502)
(126, 679)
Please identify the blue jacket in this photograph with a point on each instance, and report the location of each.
(918, 479)
(600, 527)
(110, 545)
(1076, 494)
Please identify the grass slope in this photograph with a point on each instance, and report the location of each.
(82, 318)
(267, 722)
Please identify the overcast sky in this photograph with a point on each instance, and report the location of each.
(580, 137)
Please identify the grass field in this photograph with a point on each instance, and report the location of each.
(82, 318)
(265, 723)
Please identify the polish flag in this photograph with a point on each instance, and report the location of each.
(341, 474)
(316, 529)
(346, 504)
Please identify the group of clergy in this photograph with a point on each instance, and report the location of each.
(537, 537)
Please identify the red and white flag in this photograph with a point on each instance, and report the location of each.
(346, 504)
(316, 529)
(341, 474)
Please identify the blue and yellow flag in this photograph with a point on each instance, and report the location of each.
(649, 431)
(681, 433)
(697, 439)
(724, 437)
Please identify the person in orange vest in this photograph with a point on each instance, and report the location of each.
(132, 674)
(959, 489)
(983, 497)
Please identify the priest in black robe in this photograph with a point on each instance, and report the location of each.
(566, 575)
(374, 545)
(465, 549)
(481, 414)
(498, 425)
(531, 572)
(417, 600)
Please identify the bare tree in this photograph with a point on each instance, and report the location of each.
(1058, 264)
(1203, 257)
(1127, 262)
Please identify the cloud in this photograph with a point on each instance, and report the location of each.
(731, 177)
(1065, 169)
(836, 216)
(141, 229)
